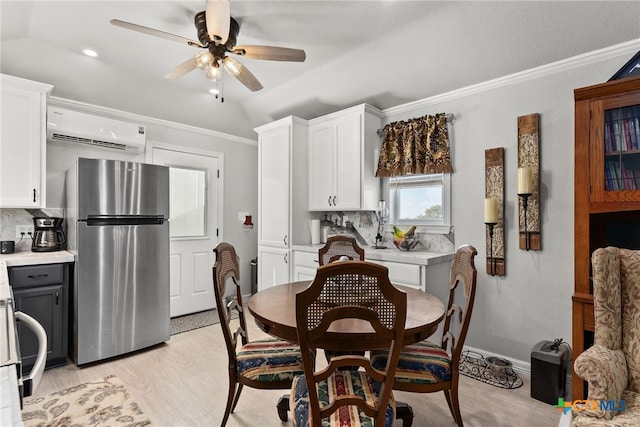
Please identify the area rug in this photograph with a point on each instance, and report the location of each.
(193, 321)
(476, 366)
(104, 402)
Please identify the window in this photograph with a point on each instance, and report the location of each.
(188, 207)
(420, 199)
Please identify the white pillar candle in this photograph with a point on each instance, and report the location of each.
(491, 210)
(525, 182)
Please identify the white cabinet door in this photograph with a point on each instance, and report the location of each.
(347, 160)
(321, 167)
(305, 265)
(341, 155)
(22, 143)
(273, 267)
(274, 147)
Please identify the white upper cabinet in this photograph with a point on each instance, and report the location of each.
(23, 142)
(342, 160)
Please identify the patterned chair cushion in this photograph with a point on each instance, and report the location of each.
(341, 382)
(420, 363)
(269, 360)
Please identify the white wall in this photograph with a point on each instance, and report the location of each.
(533, 301)
(240, 171)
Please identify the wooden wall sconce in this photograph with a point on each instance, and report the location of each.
(494, 210)
(529, 230)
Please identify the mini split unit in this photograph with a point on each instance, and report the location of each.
(71, 126)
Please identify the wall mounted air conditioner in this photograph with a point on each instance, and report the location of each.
(72, 126)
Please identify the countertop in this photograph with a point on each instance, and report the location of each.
(28, 258)
(392, 254)
(10, 407)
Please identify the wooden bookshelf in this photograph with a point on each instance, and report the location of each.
(607, 190)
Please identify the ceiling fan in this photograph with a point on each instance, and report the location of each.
(217, 33)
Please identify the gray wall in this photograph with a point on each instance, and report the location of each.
(533, 301)
(240, 172)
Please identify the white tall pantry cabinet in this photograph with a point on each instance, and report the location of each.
(282, 197)
(23, 142)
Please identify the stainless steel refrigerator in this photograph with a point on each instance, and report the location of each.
(117, 224)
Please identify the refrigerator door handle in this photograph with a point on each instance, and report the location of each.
(132, 220)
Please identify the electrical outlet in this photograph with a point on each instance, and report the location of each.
(20, 229)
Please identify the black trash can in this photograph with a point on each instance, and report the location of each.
(549, 363)
(254, 276)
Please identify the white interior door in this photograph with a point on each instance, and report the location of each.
(195, 189)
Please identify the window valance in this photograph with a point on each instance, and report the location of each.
(415, 146)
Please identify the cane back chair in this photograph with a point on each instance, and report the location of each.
(262, 364)
(348, 397)
(338, 247)
(427, 367)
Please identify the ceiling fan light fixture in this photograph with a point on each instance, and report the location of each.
(204, 60)
(213, 72)
(232, 66)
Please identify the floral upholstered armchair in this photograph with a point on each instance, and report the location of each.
(612, 365)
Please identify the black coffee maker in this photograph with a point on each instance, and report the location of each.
(48, 235)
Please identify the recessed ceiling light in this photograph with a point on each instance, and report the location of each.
(91, 53)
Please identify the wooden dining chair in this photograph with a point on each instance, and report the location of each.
(340, 246)
(361, 396)
(427, 367)
(263, 364)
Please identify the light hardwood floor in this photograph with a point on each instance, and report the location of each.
(184, 383)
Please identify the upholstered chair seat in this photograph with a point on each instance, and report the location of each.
(333, 387)
(269, 360)
(421, 363)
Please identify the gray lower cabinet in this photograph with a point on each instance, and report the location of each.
(42, 292)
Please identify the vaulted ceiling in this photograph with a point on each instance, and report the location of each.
(385, 53)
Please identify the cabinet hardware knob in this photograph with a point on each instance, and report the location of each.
(285, 258)
(57, 297)
(34, 195)
(285, 239)
(329, 200)
(334, 200)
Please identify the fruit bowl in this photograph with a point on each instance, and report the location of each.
(406, 243)
(405, 240)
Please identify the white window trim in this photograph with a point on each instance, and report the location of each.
(440, 228)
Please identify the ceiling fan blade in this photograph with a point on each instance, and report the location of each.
(154, 32)
(218, 17)
(271, 53)
(182, 69)
(242, 73)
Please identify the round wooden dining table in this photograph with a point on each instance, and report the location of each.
(274, 310)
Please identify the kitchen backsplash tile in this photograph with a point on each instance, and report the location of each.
(10, 218)
(363, 225)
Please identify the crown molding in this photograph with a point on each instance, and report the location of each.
(145, 120)
(630, 47)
